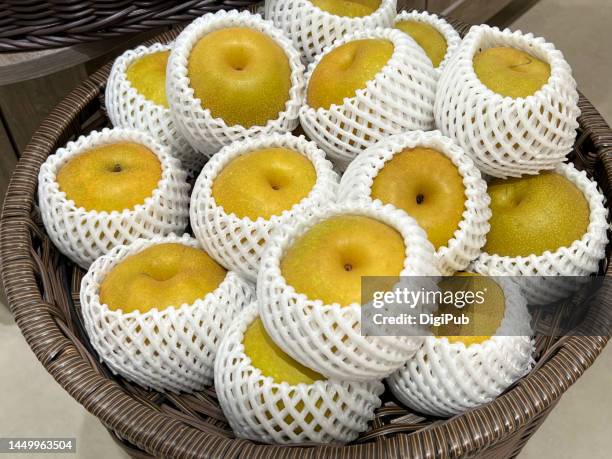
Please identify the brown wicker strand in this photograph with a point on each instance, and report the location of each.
(42, 24)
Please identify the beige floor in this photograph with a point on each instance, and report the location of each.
(582, 30)
(33, 404)
(580, 425)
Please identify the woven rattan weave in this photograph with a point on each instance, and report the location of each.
(41, 24)
(43, 292)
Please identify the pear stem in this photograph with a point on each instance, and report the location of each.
(529, 61)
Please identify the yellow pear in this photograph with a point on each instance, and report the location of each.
(345, 69)
(428, 37)
(428, 186)
(241, 75)
(510, 71)
(117, 176)
(263, 183)
(483, 318)
(348, 8)
(533, 214)
(160, 276)
(328, 261)
(147, 75)
(272, 360)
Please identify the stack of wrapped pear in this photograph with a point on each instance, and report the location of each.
(329, 142)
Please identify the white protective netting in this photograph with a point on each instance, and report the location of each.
(400, 98)
(470, 236)
(261, 409)
(205, 133)
(127, 108)
(237, 243)
(84, 235)
(327, 337)
(313, 29)
(508, 137)
(448, 31)
(444, 379)
(169, 350)
(581, 258)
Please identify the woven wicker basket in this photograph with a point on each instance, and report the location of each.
(42, 24)
(43, 291)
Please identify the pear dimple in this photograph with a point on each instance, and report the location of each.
(278, 178)
(520, 67)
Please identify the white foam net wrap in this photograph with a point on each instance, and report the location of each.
(448, 31)
(327, 337)
(581, 258)
(313, 29)
(470, 236)
(205, 133)
(237, 243)
(169, 350)
(84, 235)
(261, 409)
(400, 98)
(508, 137)
(444, 379)
(127, 108)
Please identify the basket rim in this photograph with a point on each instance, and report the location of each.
(162, 434)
